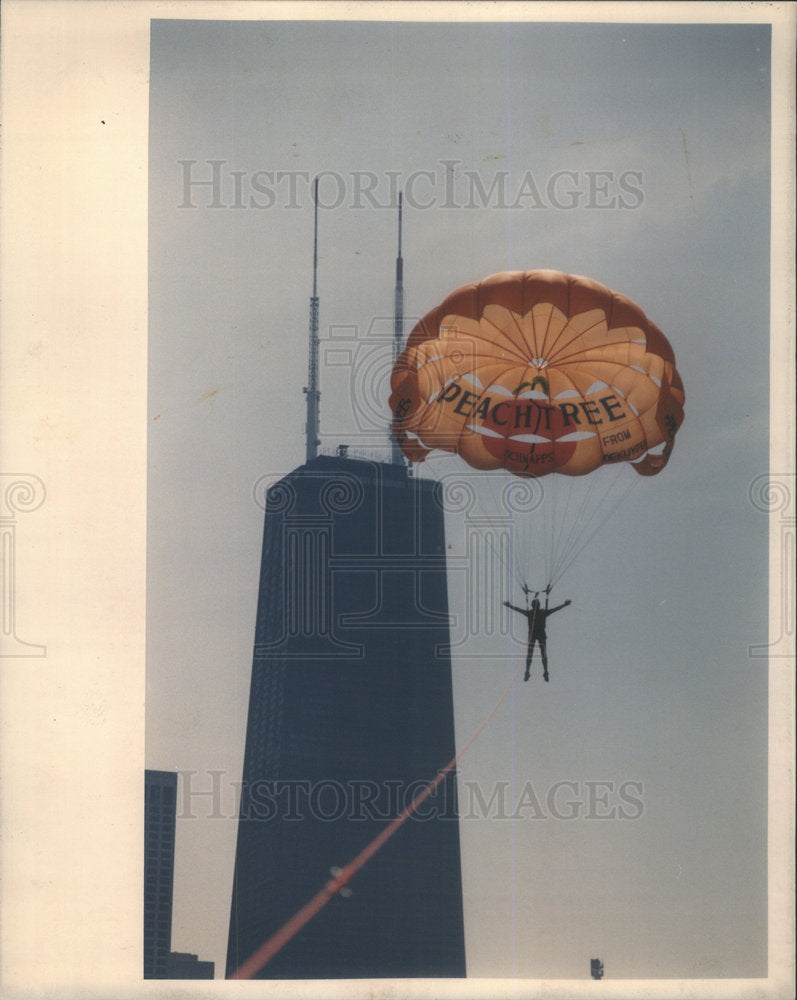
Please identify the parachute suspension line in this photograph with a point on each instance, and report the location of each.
(497, 522)
(550, 531)
(572, 524)
(601, 514)
(550, 536)
(546, 537)
(591, 516)
(506, 560)
(277, 941)
(598, 517)
(560, 508)
(550, 514)
(570, 519)
(547, 532)
(572, 511)
(527, 551)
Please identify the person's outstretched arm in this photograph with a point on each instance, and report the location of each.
(559, 607)
(512, 606)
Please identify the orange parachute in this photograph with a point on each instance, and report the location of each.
(538, 372)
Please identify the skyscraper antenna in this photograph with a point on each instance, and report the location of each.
(311, 390)
(397, 457)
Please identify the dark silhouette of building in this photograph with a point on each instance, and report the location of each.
(181, 965)
(160, 789)
(350, 715)
(160, 815)
(596, 968)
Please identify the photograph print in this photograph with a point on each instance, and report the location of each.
(459, 500)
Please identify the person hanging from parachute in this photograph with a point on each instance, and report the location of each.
(532, 375)
(537, 618)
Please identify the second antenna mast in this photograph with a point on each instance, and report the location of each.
(397, 456)
(312, 391)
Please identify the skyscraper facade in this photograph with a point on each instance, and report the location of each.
(160, 810)
(350, 715)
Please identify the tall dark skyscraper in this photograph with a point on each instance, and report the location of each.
(350, 715)
(160, 810)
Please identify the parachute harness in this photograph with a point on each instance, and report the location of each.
(527, 590)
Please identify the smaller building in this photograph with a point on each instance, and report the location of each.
(160, 815)
(182, 965)
(160, 810)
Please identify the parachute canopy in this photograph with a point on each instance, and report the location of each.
(538, 372)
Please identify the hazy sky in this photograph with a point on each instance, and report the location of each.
(637, 155)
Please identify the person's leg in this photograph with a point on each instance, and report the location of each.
(528, 659)
(544, 651)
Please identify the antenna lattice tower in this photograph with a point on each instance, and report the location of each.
(397, 457)
(311, 389)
